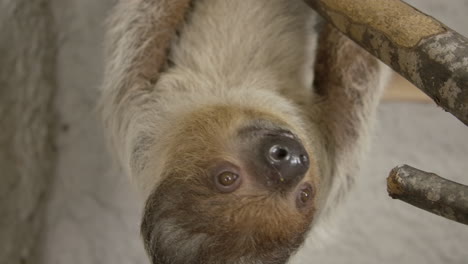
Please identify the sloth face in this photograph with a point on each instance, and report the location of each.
(238, 187)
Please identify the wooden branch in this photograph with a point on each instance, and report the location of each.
(430, 192)
(427, 53)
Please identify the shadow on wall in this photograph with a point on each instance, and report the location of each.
(27, 87)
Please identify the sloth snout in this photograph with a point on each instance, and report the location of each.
(284, 157)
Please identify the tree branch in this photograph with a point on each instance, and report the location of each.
(427, 53)
(429, 192)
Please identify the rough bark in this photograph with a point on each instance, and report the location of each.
(27, 58)
(427, 53)
(429, 192)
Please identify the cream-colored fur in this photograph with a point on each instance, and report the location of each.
(168, 60)
(248, 54)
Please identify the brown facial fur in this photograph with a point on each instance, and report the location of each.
(251, 223)
(186, 220)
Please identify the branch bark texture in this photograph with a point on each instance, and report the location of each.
(429, 192)
(427, 53)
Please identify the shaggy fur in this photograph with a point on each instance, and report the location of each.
(184, 80)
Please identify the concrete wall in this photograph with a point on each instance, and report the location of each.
(27, 86)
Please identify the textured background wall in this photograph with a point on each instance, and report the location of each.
(27, 85)
(92, 214)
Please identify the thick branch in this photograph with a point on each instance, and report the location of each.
(430, 192)
(420, 48)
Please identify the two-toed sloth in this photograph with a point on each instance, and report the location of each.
(241, 121)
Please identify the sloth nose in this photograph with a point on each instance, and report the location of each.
(285, 157)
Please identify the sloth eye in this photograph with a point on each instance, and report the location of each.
(227, 181)
(227, 178)
(305, 195)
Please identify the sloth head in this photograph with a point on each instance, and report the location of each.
(237, 186)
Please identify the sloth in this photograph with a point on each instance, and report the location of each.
(242, 123)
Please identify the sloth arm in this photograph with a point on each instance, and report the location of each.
(139, 36)
(349, 83)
